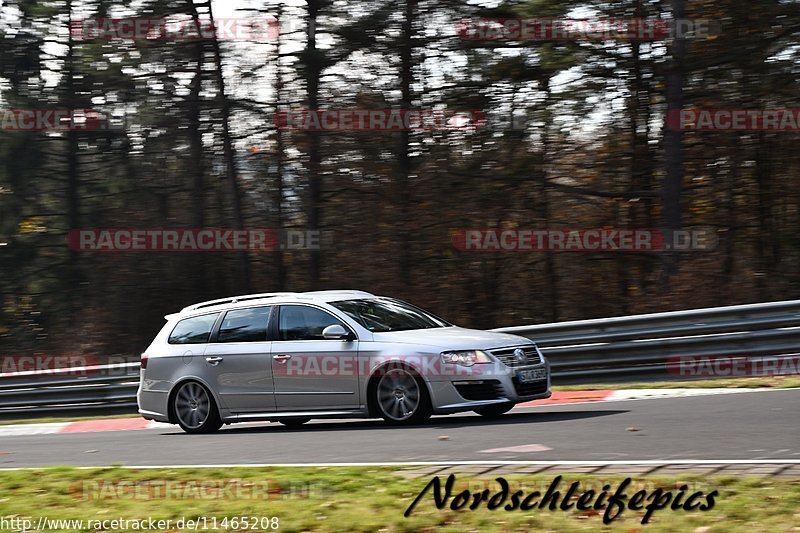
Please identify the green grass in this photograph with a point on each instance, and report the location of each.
(776, 382)
(374, 499)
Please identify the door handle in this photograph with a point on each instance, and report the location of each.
(281, 358)
(213, 361)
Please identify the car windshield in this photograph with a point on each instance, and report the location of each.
(381, 315)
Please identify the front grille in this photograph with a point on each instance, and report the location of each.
(486, 390)
(530, 389)
(507, 357)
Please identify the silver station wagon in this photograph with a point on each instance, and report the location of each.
(291, 357)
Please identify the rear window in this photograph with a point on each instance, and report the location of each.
(195, 330)
(244, 325)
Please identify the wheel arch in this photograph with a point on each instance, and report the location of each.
(174, 390)
(372, 382)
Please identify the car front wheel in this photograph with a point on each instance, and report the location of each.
(402, 397)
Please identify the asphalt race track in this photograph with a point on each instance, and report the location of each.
(758, 425)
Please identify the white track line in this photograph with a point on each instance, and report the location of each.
(445, 463)
(647, 394)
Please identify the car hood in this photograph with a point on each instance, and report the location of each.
(453, 338)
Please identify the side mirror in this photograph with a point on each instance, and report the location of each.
(335, 331)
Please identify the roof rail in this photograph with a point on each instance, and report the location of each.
(235, 299)
(334, 291)
(259, 296)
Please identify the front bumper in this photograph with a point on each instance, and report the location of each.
(487, 385)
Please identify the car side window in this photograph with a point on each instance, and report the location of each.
(244, 325)
(300, 323)
(195, 330)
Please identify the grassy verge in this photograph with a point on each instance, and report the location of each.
(369, 499)
(776, 382)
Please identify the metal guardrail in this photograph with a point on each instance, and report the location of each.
(639, 347)
(89, 390)
(646, 347)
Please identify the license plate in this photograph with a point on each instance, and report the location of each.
(536, 374)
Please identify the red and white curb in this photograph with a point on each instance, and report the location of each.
(558, 398)
(632, 394)
(83, 426)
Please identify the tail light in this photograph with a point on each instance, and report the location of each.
(145, 357)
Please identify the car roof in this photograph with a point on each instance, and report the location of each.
(272, 298)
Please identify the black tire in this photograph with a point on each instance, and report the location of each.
(194, 408)
(294, 422)
(400, 397)
(495, 411)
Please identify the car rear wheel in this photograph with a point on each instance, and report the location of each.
(494, 411)
(402, 397)
(294, 422)
(195, 409)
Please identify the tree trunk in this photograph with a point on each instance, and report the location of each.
(766, 256)
(550, 270)
(673, 145)
(73, 170)
(280, 267)
(229, 155)
(403, 185)
(196, 151)
(313, 71)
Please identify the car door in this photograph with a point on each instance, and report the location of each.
(238, 361)
(310, 372)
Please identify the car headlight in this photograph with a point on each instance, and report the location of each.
(466, 357)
